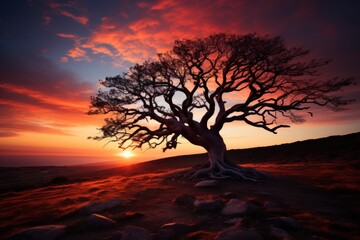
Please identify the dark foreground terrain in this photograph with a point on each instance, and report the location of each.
(314, 195)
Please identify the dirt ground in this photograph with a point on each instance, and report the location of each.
(323, 198)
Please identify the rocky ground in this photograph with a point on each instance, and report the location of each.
(293, 205)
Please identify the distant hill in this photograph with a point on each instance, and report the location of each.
(329, 149)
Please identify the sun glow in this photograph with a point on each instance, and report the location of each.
(126, 154)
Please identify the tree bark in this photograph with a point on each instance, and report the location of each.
(219, 166)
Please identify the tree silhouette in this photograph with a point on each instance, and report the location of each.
(203, 84)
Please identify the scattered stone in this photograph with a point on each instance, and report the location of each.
(136, 233)
(98, 207)
(207, 205)
(207, 184)
(97, 221)
(280, 234)
(286, 223)
(184, 200)
(237, 232)
(46, 232)
(236, 207)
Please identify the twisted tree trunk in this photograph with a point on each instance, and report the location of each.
(219, 166)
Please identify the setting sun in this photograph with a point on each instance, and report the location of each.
(126, 154)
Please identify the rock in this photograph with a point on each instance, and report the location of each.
(96, 221)
(286, 223)
(46, 232)
(236, 207)
(184, 200)
(98, 207)
(207, 184)
(208, 205)
(280, 233)
(136, 233)
(236, 232)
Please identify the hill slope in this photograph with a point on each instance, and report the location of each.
(329, 149)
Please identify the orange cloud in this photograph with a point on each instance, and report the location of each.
(153, 32)
(41, 98)
(143, 24)
(78, 54)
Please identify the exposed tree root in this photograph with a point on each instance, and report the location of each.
(220, 171)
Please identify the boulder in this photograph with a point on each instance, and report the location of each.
(136, 233)
(236, 232)
(208, 205)
(98, 207)
(286, 223)
(46, 232)
(97, 221)
(207, 184)
(236, 207)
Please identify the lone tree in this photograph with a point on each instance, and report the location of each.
(203, 84)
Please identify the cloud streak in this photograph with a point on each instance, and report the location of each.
(69, 9)
(40, 97)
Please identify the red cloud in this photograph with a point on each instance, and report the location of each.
(153, 27)
(40, 98)
(153, 32)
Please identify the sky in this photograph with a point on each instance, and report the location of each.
(52, 54)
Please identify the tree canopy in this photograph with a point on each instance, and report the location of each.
(203, 84)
